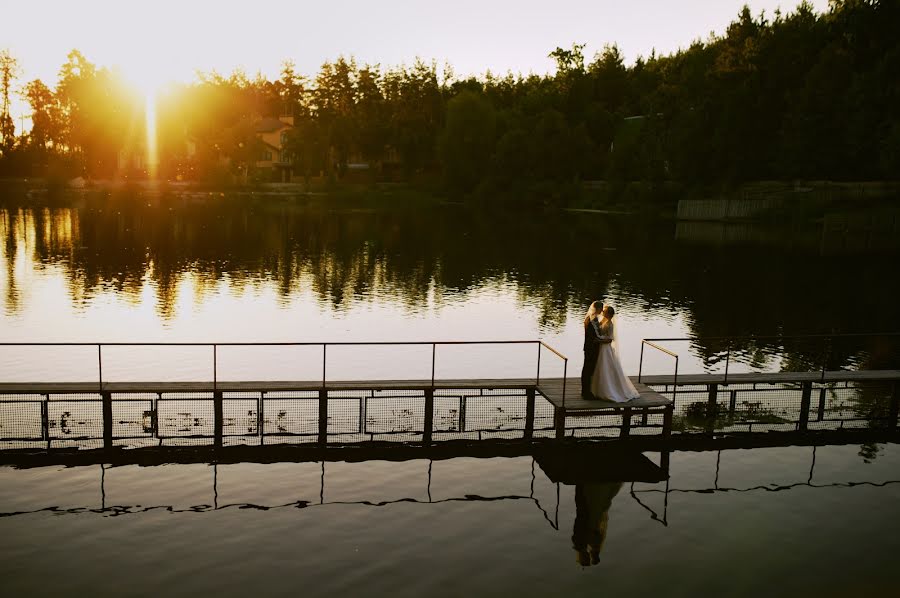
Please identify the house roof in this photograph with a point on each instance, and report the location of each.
(270, 125)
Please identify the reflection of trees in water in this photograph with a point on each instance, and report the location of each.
(415, 255)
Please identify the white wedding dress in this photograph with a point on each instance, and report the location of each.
(609, 381)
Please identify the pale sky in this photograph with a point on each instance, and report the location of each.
(158, 40)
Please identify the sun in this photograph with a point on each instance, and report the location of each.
(148, 80)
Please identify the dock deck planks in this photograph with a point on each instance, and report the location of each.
(553, 391)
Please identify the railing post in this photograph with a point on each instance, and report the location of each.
(324, 350)
(821, 411)
(429, 415)
(559, 422)
(641, 362)
(433, 350)
(895, 404)
(45, 419)
(218, 419)
(462, 414)
(668, 416)
(625, 430)
(261, 418)
(100, 366)
(565, 373)
(537, 378)
(806, 393)
(529, 413)
(675, 382)
(215, 367)
(106, 397)
(712, 398)
(727, 363)
(323, 415)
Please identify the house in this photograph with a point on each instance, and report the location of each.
(273, 133)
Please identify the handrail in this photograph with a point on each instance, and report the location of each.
(774, 336)
(324, 344)
(565, 359)
(664, 350)
(827, 342)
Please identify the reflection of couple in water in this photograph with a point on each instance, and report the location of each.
(592, 503)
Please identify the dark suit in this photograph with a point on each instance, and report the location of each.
(591, 351)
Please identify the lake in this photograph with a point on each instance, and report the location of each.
(798, 520)
(118, 270)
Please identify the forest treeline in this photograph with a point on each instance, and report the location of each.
(800, 95)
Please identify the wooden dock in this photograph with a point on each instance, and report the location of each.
(563, 397)
(319, 405)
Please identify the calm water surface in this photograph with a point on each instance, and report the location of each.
(780, 521)
(122, 270)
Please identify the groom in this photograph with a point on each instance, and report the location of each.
(591, 349)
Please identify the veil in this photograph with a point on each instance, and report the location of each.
(615, 337)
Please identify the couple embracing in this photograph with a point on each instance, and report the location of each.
(602, 376)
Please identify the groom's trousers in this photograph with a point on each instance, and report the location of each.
(587, 370)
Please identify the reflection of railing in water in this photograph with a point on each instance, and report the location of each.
(759, 487)
(299, 504)
(550, 513)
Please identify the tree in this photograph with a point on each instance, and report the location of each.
(46, 121)
(9, 72)
(467, 141)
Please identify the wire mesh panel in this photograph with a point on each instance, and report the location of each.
(496, 411)
(767, 408)
(240, 414)
(291, 413)
(185, 415)
(75, 416)
(449, 406)
(134, 415)
(20, 417)
(606, 425)
(344, 412)
(736, 407)
(388, 413)
(647, 424)
(543, 418)
(851, 405)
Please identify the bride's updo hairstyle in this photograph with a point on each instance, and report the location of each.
(593, 311)
(609, 311)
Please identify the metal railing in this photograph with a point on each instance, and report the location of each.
(666, 351)
(324, 345)
(827, 341)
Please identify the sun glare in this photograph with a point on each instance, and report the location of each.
(152, 155)
(149, 81)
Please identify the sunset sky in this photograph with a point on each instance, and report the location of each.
(153, 42)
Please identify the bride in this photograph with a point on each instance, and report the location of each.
(609, 381)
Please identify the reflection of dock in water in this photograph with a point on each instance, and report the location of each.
(590, 467)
